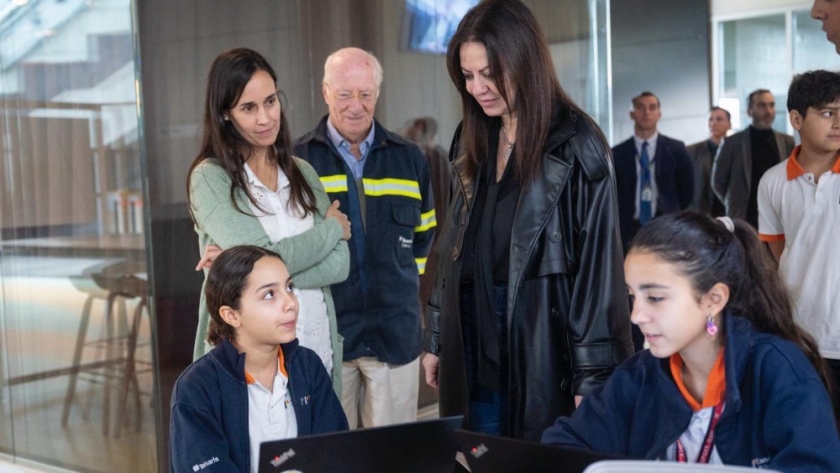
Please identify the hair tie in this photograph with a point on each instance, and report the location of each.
(728, 223)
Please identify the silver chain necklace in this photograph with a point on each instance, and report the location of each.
(509, 149)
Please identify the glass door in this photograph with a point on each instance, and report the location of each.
(75, 354)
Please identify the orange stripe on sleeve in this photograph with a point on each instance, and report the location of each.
(771, 238)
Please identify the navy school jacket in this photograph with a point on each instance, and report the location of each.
(778, 414)
(209, 422)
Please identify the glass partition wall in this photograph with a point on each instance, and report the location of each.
(765, 50)
(76, 382)
(98, 293)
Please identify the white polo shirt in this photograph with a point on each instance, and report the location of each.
(806, 216)
(271, 415)
(313, 325)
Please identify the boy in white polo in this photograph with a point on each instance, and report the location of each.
(799, 210)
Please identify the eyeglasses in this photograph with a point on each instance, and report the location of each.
(364, 96)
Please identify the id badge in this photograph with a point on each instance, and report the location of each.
(647, 194)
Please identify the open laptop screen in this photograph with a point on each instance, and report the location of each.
(490, 454)
(420, 447)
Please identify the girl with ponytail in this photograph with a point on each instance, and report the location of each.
(728, 378)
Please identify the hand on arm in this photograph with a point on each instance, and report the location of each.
(228, 227)
(211, 252)
(341, 217)
(335, 266)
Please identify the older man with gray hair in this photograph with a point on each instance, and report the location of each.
(381, 181)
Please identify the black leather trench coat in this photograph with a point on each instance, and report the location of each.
(567, 307)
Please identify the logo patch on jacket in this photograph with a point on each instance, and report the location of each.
(760, 462)
(204, 465)
(405, 242)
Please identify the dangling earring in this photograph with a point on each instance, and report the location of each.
(710, 326)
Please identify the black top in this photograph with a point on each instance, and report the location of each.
(487, 242)
(765, 155)
(486, 255)
(713, 147)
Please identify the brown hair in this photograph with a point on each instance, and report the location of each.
(229, 74)
(646, 94)
(518, 55)
(707, 253)
(226, 280)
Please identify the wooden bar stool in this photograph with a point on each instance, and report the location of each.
(124, 281)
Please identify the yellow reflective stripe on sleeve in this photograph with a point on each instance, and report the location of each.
(401, 187)
(337, 183)
(427, 221)
(421, 265)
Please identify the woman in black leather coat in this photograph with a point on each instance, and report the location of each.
(530, 310)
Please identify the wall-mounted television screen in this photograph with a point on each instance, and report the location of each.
(430, 24)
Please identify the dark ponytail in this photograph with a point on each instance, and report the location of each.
(707, 252)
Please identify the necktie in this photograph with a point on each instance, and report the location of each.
(645, 187)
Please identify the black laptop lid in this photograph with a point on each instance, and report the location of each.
(420, 447)
(490, 454)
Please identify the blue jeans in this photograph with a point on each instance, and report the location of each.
(487, 406)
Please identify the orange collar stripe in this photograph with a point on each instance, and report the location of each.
(794, 169)
(715, 386)
(281, 363)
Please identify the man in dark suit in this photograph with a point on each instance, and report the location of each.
(653, 173)
(747, 155)
(703, 155)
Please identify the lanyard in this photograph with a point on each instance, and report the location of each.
(706, 451)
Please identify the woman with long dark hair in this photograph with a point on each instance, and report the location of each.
(245, 187)
(729, 377)
(530, 310)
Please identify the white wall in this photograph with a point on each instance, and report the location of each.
(415, 84)
(669, 56)
(738, 7)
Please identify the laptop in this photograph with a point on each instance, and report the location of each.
(490, 454)
(420, 447)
